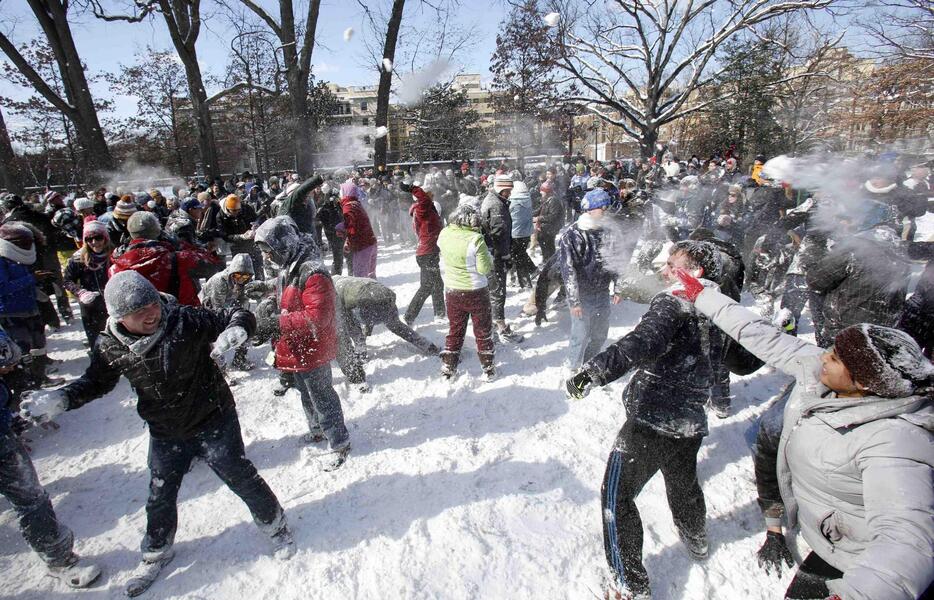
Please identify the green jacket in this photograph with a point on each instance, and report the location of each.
(465, 259)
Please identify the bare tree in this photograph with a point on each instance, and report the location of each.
(11, 175)
(643, 63)
(901, 29)
(183, 20)
(77, 103)
(297, 63)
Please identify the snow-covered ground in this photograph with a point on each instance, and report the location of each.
(469, 489)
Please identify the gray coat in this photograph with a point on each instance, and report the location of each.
(855, 474)
(219, 292)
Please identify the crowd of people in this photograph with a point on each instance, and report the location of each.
(172, 285)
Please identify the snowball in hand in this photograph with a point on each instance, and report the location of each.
(551, 19)
(381, 131)
(387, 65)
(348, 33)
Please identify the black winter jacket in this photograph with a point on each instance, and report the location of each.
(179, 387)
(676, 352)
(585, 274)
(918, 318)
(864, 279)
(233, 228)
(497, 225)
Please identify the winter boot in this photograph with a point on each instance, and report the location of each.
(506, 335)
(75, 574)
(315, 436)
(720, 407)
(240, 361)
(283, 543)
(487, 362)
(449, 362)
(696, 543)
(285, 382)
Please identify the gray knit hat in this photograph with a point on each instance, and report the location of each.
(144, 225)
(127, 292)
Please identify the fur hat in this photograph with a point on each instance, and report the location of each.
(886, 361)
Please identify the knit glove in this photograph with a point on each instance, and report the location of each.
(774, 552)
(267, 320)
(230, 338)
(87, 297)
(692, 287)
(579, 385)
(255, 290)
(44, 405)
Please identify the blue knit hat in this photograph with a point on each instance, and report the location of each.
(595, 198)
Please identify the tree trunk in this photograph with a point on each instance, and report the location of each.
(648, 141)
(385, 82)
(184, 27)
(11, 176)
(53, 19)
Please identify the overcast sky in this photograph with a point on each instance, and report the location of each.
(104, 45)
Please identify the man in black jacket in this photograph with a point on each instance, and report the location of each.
(165, 350)
(675, 352)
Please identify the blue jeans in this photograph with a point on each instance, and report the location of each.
(220, 445)
(20, 485)
(321, 404)
(588, 334)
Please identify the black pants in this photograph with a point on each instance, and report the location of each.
(221, 447)
(524, 265)
(811, 580)
(94, 319)
(20, 485)
(336, 244)
(639, 453)
(429, 284)
(546, 241)
(497, 279)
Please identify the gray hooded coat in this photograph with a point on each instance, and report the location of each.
(220, 292)
(855, 474)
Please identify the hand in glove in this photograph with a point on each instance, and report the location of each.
(267, 325)
(230, 338)
(774, 552)
(255, 289)
(406, 187)
(42, 406)
(579, 385)
(87, 297)
(692, 287)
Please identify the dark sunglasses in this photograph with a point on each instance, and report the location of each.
(95, 238)
(241, 277)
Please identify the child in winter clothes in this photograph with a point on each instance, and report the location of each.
(19, 484)
(165, 350)
(86, 276)
(675, 352)
(226, 290)
(853, 466)
(586, 279)
(427, 223)
(304, 327)
(466, 262)
(520, 211)
(356, 230)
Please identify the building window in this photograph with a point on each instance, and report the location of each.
(363, 106)
(366, 121)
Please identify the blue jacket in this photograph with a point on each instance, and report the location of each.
(17, 289)
(520, 208)
(585, 274)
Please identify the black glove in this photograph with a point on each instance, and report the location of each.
(406, 187)
(579, 385)
(774, 552)
(255, 289)
(267, 320)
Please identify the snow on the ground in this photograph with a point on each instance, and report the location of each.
(470, 489)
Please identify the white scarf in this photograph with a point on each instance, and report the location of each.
(11, 251)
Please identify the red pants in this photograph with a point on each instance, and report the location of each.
(473, 304)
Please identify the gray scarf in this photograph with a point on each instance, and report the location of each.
(138, 345)
(11, 251)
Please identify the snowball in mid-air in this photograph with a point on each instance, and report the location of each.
(348, 33)
(551, 19)
(387, 65)
(381, 131)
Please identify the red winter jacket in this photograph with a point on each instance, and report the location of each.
(307, 320)
(426, 221)
(357, 227)
(172, 272)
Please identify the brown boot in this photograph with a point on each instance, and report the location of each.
(449, 362)
(487, 362)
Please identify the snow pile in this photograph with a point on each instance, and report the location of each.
(468, 489)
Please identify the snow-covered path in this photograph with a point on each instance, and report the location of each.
(470, 489)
